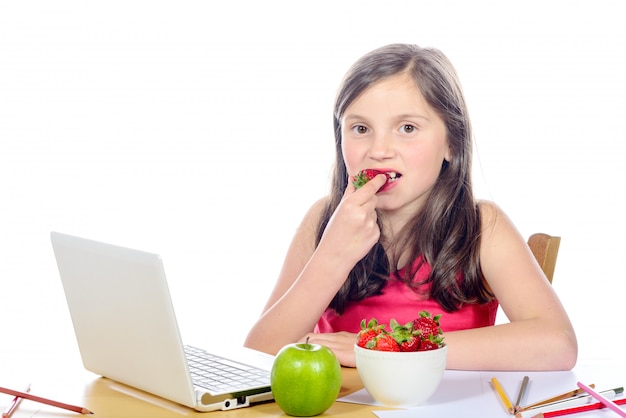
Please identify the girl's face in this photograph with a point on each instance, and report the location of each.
(391, 127)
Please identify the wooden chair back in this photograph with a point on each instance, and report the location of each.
(545, 248)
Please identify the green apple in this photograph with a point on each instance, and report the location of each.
(305, 379)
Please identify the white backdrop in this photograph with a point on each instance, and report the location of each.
(203, 133)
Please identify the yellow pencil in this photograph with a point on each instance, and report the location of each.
(505, 399)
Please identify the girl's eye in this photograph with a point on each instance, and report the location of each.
(407, 129)
(360, 129)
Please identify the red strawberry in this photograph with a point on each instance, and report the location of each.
(368, 331)
(412, 344)
(383, 342)
(426, 345)
(421, 334)
(427, 325)
(405, 335)
(366, 175)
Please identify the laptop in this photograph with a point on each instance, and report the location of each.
(126, 330)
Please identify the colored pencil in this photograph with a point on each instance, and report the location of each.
(39, 399)
(585, 399)
(607, 402)
(569, 394)
(14, 403)
(522, 390)
(577, 409)
(505, 399)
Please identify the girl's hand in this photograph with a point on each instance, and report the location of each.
(340, 343)
(352, 230)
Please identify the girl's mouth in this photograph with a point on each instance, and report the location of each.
(369, 173)
(392, 176)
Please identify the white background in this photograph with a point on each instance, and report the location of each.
(203, 132)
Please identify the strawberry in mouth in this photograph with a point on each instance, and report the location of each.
(366, 175)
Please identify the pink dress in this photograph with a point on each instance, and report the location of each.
(400, 302)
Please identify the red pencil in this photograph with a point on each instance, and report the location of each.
(14, 404)
(39, 399)
(607, 402)
(577, 409)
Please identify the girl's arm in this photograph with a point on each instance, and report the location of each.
(539, 335)
(311, 276)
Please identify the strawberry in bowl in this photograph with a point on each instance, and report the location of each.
(422, 334)
(402, 366)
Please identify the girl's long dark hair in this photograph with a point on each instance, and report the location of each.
(446, 232)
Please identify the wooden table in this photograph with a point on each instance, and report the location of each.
(60, 376)
(107, 398)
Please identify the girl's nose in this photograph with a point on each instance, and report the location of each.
(382, 147)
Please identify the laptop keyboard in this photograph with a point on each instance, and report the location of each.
(218, 374)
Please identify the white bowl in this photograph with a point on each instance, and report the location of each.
(401, 379)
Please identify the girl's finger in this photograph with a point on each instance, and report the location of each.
(369, 189)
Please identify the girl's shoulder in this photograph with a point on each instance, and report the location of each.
(311, 219)
(490, 214)
(496, 226)
(317, 209)
(486, 205)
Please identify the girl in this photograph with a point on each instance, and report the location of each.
(414, 238)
